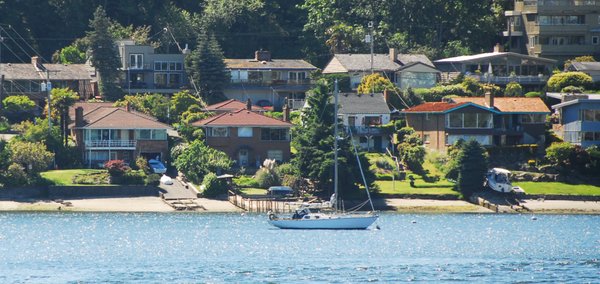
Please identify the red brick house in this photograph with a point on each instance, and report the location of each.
(248, 137)
(491, 121)
(103, 132)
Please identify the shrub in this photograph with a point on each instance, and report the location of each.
(152, 180)
(16, 175)
(213, 186)
(130, 177)
(287, 169)
(267, 178)
(513, 89)
(384, 176)
(436, 94)
(572, 89)
(245, 181)
(4, 124)
(142, 164)
(533, 94)
(100, 177)
(384, 163)
(561, 80)
(116, 168)
(559, 153)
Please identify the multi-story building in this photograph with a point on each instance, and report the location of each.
(578, 118)
(268, 82)
(103, 132)
(491, 121)
(364, 115)
(404, 70)
(144, 71)
(558, 29)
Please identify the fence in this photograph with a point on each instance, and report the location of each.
(261, 204)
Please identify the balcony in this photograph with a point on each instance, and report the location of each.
(570, 49)
(271, 82)
(110, 144)
(296, 103)
(365, 130)
(503, 80)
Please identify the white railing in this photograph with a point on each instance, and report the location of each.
(110, 143)
(507, 79)
(296, 103)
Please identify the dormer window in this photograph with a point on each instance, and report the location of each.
(136, 61)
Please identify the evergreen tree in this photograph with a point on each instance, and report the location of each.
(206, 68)
(472, 166)
(62, 99)
(313, 140)
(105, 57)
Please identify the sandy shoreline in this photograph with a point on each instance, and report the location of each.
(155, 204)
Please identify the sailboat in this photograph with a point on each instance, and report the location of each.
(329, 216)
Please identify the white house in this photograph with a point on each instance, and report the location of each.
(363, 115)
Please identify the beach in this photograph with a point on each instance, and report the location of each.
(156, 204)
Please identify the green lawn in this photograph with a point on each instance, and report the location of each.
(558, 188)
(388, 187)
(65, 177)
(253, 191)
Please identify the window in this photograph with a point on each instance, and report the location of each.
(297, 76)
(274, 134)
(591, 115)
(595, 40)
(218, 132)
(143, 134)
(244, 131)
(469, 120)
(533, 118)
(159, 134)
(426, 139)
(482, 139)
(113, 155)
(115, 134)
(99, 134)
(174, 79)
(351, 121)
(427, 116)
(151, 134)
(98, 156)
(455, 120)
(160, 79)
(275, 155)
(372, 120)
(136, 61)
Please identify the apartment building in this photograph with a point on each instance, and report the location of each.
(557, 29)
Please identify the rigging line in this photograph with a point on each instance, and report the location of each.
(15, 54)
(15, 42)
(361, 169)
(27, 43)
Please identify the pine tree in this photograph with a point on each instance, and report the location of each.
(105, 57)
(206, 68)
(313, 141)
(472, 166)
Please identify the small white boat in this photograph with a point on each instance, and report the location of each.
(498, 179)
(327, 215)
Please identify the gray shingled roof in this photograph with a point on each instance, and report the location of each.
(362, 62)
(272, 64)
(405, 59)
(586, 66)
(26, 71)
(351, 103)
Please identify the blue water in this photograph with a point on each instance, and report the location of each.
(222, 248)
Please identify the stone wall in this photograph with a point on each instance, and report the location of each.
(54, 192)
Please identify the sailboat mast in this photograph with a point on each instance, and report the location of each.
(335, 145)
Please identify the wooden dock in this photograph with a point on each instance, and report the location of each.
(262, 204)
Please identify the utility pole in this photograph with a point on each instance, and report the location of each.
(2, 76)
(47, 86)
(370, 40)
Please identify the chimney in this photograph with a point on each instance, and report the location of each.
(127, 108)
(262, 55)
(489, 99)
(498, 48)
(37, 62)
(393, 54)
(386, 95)
(249, 105)
(79, 117)
(286, 112)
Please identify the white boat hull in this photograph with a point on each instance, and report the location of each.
(343, 222)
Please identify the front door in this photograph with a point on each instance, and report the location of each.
(243, 157)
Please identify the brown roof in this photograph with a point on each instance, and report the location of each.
(87, 107)
(231, 105)
(506, 104)
(101, 116)
(272, 64)
(242, 118)
(434, 107)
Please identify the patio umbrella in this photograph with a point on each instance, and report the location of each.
(490, 71)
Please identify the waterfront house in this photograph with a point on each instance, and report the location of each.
(590, 68)
(248, 137)
(103, 132)
(577, 119)
(268, 82)
(28, 79)
(499, 68)
(363, 115)
(491, 121)
(145, 71)
(404, 70)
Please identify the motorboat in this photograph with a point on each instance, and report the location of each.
(498, 179)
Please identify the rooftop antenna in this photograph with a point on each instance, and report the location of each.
(183, 51)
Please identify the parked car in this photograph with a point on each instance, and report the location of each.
(157, 167)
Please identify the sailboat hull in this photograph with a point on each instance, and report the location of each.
(332, 223)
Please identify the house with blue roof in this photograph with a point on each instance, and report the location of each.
(491, 121)
(577, 119)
